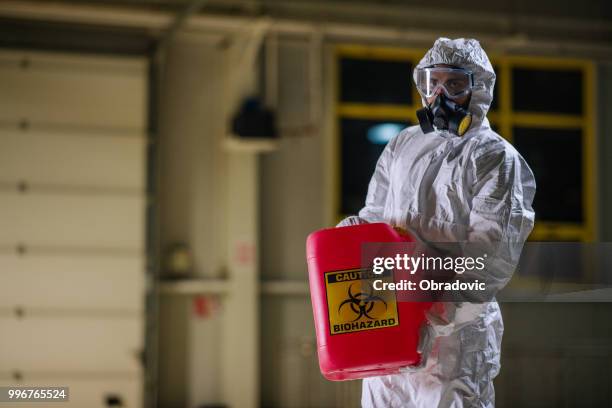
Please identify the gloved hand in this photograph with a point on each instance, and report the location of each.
(351, 220)
(443, 319)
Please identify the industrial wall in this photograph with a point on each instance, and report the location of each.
(235, 320)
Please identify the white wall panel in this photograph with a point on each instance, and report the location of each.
(39, 157)
(87, 393)
(70, 344)
(79, 282)
(75, 91)
(87, 220)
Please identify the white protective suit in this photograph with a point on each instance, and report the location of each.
(446, 188)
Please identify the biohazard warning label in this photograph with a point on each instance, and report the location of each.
(354, 305)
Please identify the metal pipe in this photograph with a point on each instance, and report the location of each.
(271, 74)
(192, 8)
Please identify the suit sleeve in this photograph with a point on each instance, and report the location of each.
(501, 216)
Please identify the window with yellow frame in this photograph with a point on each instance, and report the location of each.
(544, 106)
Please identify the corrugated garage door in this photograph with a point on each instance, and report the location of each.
(72, 214)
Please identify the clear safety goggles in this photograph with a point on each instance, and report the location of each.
(455, 82)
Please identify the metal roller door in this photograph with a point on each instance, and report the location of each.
(72, 224)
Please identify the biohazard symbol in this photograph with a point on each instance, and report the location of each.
(361, 303)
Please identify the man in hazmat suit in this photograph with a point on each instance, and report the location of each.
(453, 179)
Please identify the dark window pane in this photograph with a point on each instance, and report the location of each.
(551, 91)
(555, 156)
(375, 81)
(362, 143)
(495, 103)
(554, 263)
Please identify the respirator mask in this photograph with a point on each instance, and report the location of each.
(444, 113)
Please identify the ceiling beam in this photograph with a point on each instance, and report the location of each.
(157, 21)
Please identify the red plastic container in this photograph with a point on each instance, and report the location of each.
(359, 334)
